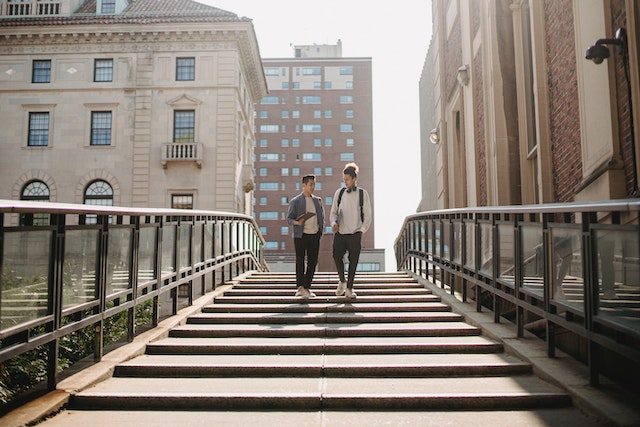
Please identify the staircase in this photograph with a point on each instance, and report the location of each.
(395, 353)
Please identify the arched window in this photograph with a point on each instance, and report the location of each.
(36, 191)
(97, 193)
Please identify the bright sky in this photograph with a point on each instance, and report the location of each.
(396, 37)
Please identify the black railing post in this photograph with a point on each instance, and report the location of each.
(56, 282)
(589, 272)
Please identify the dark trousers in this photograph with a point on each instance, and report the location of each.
(341, 244)
(308, 245)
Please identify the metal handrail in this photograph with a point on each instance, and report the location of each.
(574, 266)
(84, 264)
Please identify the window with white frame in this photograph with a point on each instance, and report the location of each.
(100, 128)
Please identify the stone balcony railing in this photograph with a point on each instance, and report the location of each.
(30, 8)
(181, 151)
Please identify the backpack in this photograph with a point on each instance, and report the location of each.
(342, 190)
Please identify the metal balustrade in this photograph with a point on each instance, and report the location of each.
(571, 267)
(65, 267)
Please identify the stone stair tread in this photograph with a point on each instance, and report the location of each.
(308, 418)
(327, 307)
(324, 317)
(349, 387)
(240, 299)
(322, 365)
(325, 329)
(322, 292)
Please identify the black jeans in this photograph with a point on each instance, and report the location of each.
(309, 245)
(341, 244)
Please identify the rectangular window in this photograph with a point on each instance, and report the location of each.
(348, 85)
(184, 126)
(328, 142)
(108, 6)
(295, 114)
(100, 128)
(262, 171)
(317, 85)
(346, 71)
(328, 200)
(346, 128)
(269, 128)
(284, 142)
(103, 70)
(264, 114)
(317, 171)
(346, 99)
(350, 142)
(268, 245)
(38, 130)
(317, 114)
(327, 85)
(263, 201)
(268, 186)
(182, 201)
(311, 128)
(313, 156)
(312, 71)
(328, 171)
(284, 171)
(270, 100)
(328, 114)
(312, 99)
(347, 157)
(317, 142)
(268, 215)
(285, 85)
(295, 142)
(269, 157)
(295, 171)
(185, 69)
(284, 230)
(270, 71)
(349, 114)
(284, 114)
(264, 143)
(41, 71)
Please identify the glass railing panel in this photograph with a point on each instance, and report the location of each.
(208, 241)
(24, 280)
(470, 250)
(486, 249)
(618, 267)
(506, 247)
(118, 260)
(147, 254)
(80, 262)
(446, 240)
(567, 281)
(457, 242)
(197, 242)
(185, 245)
(168, 250)
(532, 258)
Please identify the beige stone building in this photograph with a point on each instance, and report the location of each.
(145, 103)
(517, 112)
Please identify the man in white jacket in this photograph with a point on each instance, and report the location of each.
(350, 217)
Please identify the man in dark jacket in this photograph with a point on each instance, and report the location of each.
(306, 215)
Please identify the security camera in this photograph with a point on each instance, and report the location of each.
(597, 53)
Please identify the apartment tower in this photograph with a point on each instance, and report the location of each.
(316, 118)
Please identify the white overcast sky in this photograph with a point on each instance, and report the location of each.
(396, 36)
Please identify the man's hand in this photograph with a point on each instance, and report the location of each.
(336, 228)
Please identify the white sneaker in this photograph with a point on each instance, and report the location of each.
(350, 294)
(342, 286)
(310, 294)
(302, 292)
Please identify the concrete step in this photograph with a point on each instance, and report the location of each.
(326, 393)
(327, 307)
(317, 318)
(345, 345)
(325, 292)
(291, 299)
(330, 330)
(555, 417)
(318, 365)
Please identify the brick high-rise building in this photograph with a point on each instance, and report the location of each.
(316, 118)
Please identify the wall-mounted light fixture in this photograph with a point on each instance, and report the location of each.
(597, 53)
(463, 75)
(434, 136)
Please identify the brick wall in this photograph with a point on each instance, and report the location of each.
(563, 99)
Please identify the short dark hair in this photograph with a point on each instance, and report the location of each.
(351, 169)
(307, 178)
